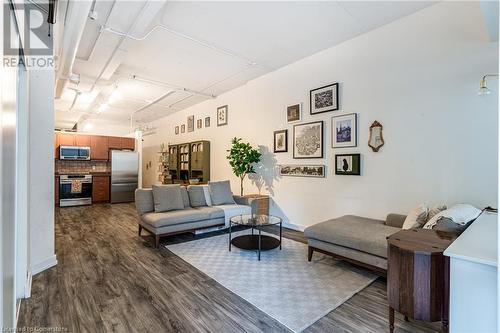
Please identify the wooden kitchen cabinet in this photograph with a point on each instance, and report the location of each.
(114, 142)
(82, 140)
(99, 148)
(100, 188)
(128, 143)
(66, 139)
(56, 146)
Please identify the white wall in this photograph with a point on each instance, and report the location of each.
(418, 76)
(41, 178)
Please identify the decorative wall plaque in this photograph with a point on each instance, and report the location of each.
(376, 139)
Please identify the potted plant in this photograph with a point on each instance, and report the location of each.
(242, 157)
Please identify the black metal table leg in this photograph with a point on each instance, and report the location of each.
(281, 228)
(259, 244)
(230, 224)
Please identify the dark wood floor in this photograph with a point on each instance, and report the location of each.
(110, 280)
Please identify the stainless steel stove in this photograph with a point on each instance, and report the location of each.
(75, 190)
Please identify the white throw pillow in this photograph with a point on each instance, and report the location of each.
(435, 210)
(416, 217)
(208, 199)
(460, 214)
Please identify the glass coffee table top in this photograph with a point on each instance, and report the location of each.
(255, 220)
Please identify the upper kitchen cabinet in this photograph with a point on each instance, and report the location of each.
(99, 147)
(66, 139)
(114, 142)
(128, 143)
(82, 140)
(121, 143)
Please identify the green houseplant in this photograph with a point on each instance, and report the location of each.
(242, 157)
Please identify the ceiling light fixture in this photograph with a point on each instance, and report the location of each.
(102, 108)
(483, 85)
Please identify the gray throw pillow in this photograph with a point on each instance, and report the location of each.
(447, 224)
(220, 192)
(196, 196)
(167, 197)
(185, 196)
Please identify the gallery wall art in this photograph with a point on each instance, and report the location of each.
(199, 123)
(308, 140)
(345, 131)
(207, 121)
(376, 140)
(294, 113)
(281, 141)
(295, 170)
(190, 123)
(324, 99)
(348, 164)
(222, 115)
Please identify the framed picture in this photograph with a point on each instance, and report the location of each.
(324, 99)
(199, 123)
(348, 164)
(207, 121)
(317, 171)
(345, 131)
(281, 141)
(190, 123)
(222, 115)
(183, 128)
(176, 129)
(308, 140)
(294, 113)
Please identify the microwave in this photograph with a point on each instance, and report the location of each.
(74, 153)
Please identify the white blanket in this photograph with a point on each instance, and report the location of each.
(229, 210)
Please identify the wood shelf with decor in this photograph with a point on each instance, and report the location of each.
(189, 160)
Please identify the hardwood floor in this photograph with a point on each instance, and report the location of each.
(108, 279)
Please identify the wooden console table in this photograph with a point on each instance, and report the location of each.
(418, 275)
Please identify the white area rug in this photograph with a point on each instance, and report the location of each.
(283, 284)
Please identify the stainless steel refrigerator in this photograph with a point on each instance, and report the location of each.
(124, 175)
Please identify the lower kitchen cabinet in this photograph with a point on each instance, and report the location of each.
(100, 188)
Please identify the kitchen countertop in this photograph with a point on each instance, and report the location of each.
(96, 173)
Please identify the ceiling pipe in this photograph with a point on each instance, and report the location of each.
(76, 20)
(168, 85)
(148, 105)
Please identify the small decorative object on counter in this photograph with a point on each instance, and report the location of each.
(376, 139)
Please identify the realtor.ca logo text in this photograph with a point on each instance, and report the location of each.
(26, 38)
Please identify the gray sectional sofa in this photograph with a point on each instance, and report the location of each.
(355, 239)
(197, 211)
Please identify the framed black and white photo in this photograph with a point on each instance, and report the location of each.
(345, 131)
(294, 170)
(190, 123)
(324, 99)
(207, 121)
(183, 128)
(348, 164)
(222, 115)
(199, 123)
(281, 141)
(308, 140)
(294, 113)
(176, 129)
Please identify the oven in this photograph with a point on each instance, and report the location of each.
(74, 153)
(75, 190)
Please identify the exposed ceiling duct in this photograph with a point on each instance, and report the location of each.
(75, 24)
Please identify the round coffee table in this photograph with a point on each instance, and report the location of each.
(255, 242)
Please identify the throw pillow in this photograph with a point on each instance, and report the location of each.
(461, 214)
(220, 193)
(167, 197)
(435, 210)
(446, 224)
(416, 217)
(196, 196)
(206, 191)
(185, 196)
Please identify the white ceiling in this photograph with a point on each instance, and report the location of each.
(206, 47)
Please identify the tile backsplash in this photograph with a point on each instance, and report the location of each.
(72, 167)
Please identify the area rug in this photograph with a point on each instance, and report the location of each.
(283, 284)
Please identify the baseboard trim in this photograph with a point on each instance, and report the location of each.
(45, 264)
(292, 226)
(27, 286)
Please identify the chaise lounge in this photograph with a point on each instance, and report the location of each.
(358, 240)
